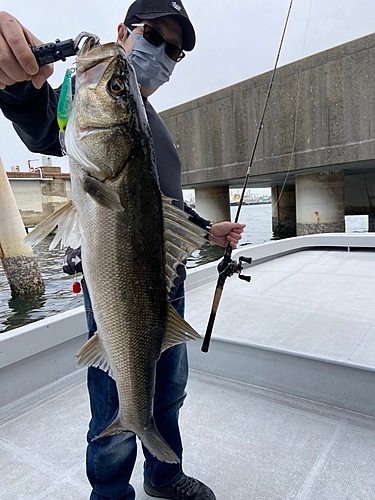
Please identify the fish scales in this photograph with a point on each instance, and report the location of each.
(128, 275)
(126, 235)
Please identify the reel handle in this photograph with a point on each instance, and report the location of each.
(248, 260)
(245, 278)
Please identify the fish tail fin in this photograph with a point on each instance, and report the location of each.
(114, 428)
(157, 446)
(150, 438)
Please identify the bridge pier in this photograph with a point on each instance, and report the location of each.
(371, 223)
(213, 202)
(283, 211)
(320, 203)
(360, 196)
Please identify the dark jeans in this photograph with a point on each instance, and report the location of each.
(110, 460)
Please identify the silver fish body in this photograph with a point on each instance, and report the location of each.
(132, 238)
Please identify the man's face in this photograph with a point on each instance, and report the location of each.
(167, 26)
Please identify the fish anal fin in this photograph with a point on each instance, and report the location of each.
(177, 330)
(93, 354)
(114, 428)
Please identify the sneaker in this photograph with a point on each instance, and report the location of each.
(187, 488)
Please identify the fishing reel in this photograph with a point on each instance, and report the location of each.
(227, 269)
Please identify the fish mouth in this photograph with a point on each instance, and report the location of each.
(85, 131)
(91, 65)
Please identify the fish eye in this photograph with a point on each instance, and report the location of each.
(116, 86)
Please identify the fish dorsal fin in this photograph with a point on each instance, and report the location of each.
(181, 238)
(66, 218)
(93, 354)
(177, 330)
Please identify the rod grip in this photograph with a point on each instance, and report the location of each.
(207, 337)
(211, 321)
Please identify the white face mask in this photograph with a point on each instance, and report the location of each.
(151, 64)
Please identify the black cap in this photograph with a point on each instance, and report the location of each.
(151, 9)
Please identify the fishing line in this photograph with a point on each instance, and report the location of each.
(263, 114)
(227, 267)
(206, 282)
(296, 111)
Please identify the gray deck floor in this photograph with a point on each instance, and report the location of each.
(247, 443)
(316, 302)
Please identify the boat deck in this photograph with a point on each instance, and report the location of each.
(263, 422)
(247, 443)
(316, 302)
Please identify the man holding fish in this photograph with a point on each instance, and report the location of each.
(126, 183)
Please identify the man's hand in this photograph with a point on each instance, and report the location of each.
(17, 62)
(224, 233)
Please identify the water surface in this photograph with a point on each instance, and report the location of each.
(59, 297)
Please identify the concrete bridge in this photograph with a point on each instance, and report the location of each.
(316, 150)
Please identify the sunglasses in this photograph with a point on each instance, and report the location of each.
(151, 35)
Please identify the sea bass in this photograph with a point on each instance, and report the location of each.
(132, 238)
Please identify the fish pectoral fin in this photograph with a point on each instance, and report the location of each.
(66, 218)
(93, 354)
(103, 194)
(177, 330)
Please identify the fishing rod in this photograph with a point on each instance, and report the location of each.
(227, 267)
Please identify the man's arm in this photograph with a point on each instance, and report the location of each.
(25, 97)
(222, 233)
(33, 114)
(196, 218)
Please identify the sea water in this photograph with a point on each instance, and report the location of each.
(59, 297)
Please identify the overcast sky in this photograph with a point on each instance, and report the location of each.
(236, 40)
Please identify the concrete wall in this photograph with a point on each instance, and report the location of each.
(333, 118)
(36, 198)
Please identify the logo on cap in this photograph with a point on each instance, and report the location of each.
(176, 6)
